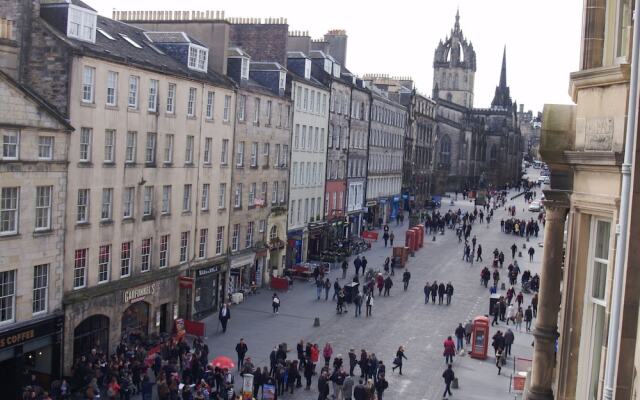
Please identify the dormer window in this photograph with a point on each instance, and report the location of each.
(81, 24)
(327, 65)
(307, 69)
(198, 57)
(283, 80)
(244, 68)
(336, 70)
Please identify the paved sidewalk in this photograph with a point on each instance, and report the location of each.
(401, 319)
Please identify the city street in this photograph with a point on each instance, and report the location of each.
(401, 319)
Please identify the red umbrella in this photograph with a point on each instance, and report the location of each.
(223, 362)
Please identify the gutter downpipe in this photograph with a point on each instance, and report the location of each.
(613, 340)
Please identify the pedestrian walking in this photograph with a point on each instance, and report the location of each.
(347, 388)
(388, 283)
(427, 290)
(319, 287)
(519, 318)
(449, 350)
(405, 279)
(514, 248)
(449, 292)
(448, 377)
(353, 361)
(434, 291)
(345, 266)
(323, 386)
(327, 352)
(336, 289)
(441, 291)
(224, 315)
(241, 350)
(327, 288)
(531, 253)
(357, 263)
(397, 362)
(357, 301)
(499, 360)
(392, 236)
(369, 304)
(385, 237)
(479, 253)
(509, 338)
(528, 317)
(459, 333)
(393, 266)
(468, 328)
(381, 385)
(534, 305)
(364, 263)
(275, 303)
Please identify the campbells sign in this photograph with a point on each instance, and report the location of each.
(139, 293)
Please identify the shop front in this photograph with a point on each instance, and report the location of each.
(317, 242)
(356, 223)
(260, 275)
(295, 247)
(207, 284)
(240, 267)
(30, 348)
(102, 317)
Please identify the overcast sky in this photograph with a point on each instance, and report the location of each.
(399, 37)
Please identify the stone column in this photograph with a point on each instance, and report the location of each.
(546, 327)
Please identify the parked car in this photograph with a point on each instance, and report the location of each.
(535, 206)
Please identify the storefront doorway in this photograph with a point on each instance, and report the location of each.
(135, 322)
(93, 332)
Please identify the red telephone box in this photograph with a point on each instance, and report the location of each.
(480, 337)
(421, 232)
(410, 240)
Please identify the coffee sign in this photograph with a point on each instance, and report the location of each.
(139, 293)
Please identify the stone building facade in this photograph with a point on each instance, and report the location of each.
(310, 98)
(33, 191)
(357, 156)
(584, 146)
(384, 168)
(148, 205)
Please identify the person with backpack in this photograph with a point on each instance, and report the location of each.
(528, 317)
(275, 303)
(369, 304)
(357, 301)
(449, 292)
(427, 290)
(388, 283)
(327, 288)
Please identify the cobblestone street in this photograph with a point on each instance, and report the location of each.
(401, 319)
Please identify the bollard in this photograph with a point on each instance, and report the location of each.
(524, 246)
(434, 238)
(316, 321)
(502, 287)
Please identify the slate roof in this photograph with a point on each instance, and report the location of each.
(148, 57)
(266, 66)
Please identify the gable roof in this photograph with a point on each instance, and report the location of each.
(39, 101)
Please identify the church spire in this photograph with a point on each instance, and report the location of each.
(502, 99)
(503, 72)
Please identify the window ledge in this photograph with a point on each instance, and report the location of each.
(150, 165)
(83, 225)
(89, 105)
(191, 117)
(7, 236)
(127, 220)
(167, 164)
(188, 165)
(184, 213)
(113, 107)
(152, 112)
(204, 211)
(167, 214)
(105, 222)
(133, 110)
(210, 120)
(85, 164)
(130, 164)
(253, 167)
(42, 232)
(148, 217)
(109, 164)
(169, 115)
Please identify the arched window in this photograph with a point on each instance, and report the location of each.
(93, 332)
(445, 150)
(273, 234)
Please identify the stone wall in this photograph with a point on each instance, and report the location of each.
(263, 42)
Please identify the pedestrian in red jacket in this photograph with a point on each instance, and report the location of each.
(449, 350)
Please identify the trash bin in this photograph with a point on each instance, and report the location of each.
(492, 302)
(350, 291)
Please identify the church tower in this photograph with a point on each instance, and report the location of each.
(454, 68)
